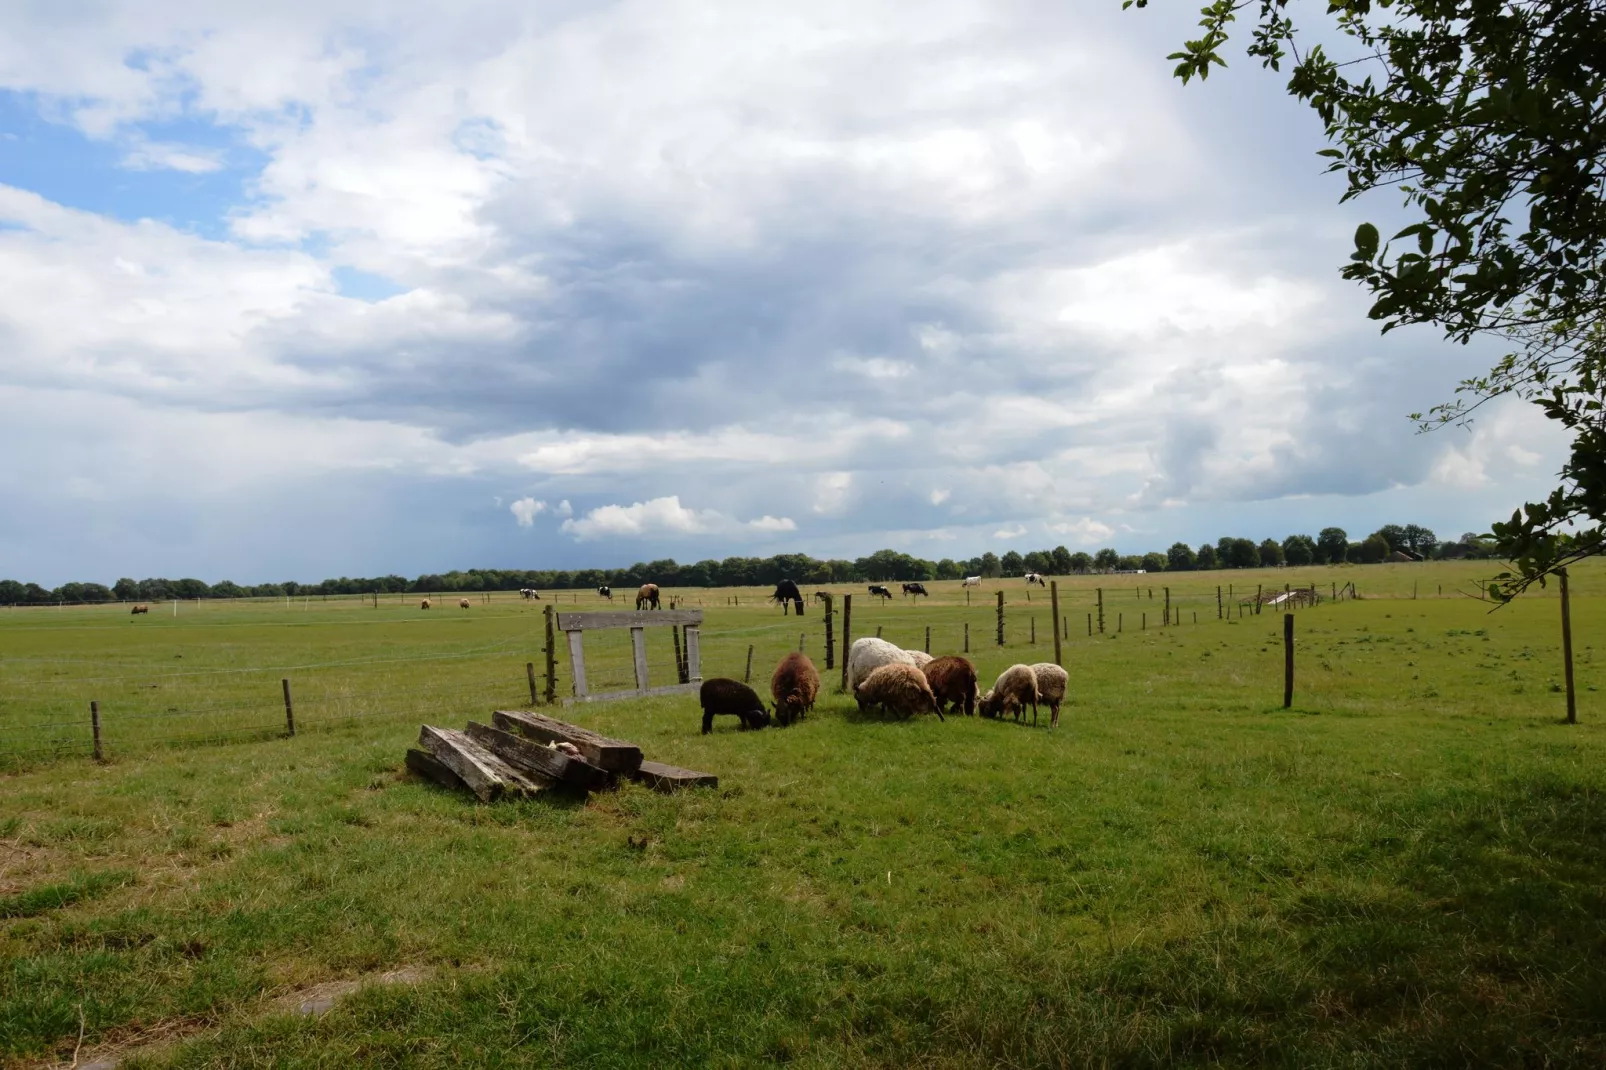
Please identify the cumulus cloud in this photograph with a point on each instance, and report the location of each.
(666, 516)
(525, 510)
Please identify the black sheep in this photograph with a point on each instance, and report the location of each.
(786, 591)
(721, 695)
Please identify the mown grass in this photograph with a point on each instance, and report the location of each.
(1408, 868)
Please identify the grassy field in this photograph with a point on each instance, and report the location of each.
(1408, 868)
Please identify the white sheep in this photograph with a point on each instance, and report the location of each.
(1015, 687)
(1051, 682)
(867, 655)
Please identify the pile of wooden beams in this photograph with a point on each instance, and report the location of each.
(523, 754)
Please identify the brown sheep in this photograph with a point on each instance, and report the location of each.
(1051, 681)
(139, 609)
(648, 595)
(953, 682)
(1016, 686)
(462, 603)
(424, 604)
(795, 685)
(897, 688)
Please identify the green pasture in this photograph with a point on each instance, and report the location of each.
(1407, 868)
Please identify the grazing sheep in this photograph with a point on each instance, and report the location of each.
(139, 609)
(721, 695)
(953, 681)
(1016, 686)
(868, 654)
(919, 658)
(795, 685)
(900, 689)
(462, 603)
(1051, 681)
(647, 595)
(424, 604)
(786, 591)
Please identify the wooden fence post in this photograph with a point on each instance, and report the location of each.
(1218, 601)
(1143, 625)
(1090, 624)
(830, 646)
(802, 641)
(289, 709)
(878, 631)
(535, 696)
(94, 726)
(747, 675)
(928, 638)
(1034, 633)
(1000, 618)
(1168, 607)
(1101, 611)
(1054, 607)
(1567, 647)
(967, 636)
(1288, 660)
(551, 656)
(847, 635)
(1120, 623)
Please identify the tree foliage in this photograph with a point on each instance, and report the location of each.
(1487, 118)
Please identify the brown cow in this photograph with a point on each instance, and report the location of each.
(424, 604)
(139, 609)
(647, 594)
(462, 603)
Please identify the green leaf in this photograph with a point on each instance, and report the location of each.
(1366, 239)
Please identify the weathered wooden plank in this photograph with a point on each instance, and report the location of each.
(486, 775)
(577, 661)
(638, 648)
(647, 618)
(614, 755)
(537, 758)
(694, 657)
(429, 767)
(666, 778)
(609, 696)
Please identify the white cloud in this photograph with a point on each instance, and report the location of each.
(1084, 532)
(564, 508)
(525, 510)
(940, 495)
(156, 156)
(665, 516)
(1013, 531)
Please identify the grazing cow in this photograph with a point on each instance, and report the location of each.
(1033, 577)
(795, 685)
(879, 589)
(647, 595)
(915, 589)
(606, 592)
(424, 604)
(529, 593)
(786, 591)
(139, 609)
(972, 581)
(462, 603)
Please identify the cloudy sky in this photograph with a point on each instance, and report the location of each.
(314, 288)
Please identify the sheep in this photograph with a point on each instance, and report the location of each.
(139, 609)
(919, 659)
(721, 695)
(953, 681)
(1051, 681)
(1015, 687)
(424, 604)
(795, 685)
(900, 689)
(462, 603)
(869, 653)
(647, 595)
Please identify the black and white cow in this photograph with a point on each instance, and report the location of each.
(606, 592)
(916, 589)
(879, 589)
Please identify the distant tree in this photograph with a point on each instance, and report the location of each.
(1155, 561)
(1206, 558)
(1299, 549)
(1081, 562)
(11, 592)
(1013, 564)
(1130, 563)
(1420, 539)
(1332, 545)
(126, 590)
(1062, 564)
(1271, 553)
(947, 569)
(227, 589)
(1040, 562)
(1244, 553)
(1180, 557)
(1370, 552)
(1394, 535)
(990, 566)
(1106, 560)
